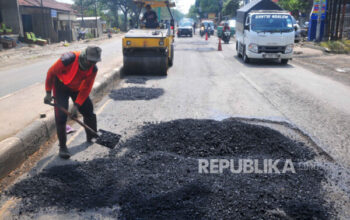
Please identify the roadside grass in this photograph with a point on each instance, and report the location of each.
(340, 47)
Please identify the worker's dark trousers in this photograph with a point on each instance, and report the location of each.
(62, 94)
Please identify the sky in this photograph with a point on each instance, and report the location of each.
(182, 5)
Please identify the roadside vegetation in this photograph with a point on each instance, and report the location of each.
(340, 46)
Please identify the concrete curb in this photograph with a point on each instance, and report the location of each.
(15, 150)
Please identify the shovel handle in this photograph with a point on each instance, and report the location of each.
(73, 118)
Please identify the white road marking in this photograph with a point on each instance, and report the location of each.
(251, 82)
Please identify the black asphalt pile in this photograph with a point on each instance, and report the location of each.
(158, 177)
(107, 139)
(136, 93)
(208, 138)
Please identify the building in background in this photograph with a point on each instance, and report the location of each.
(93, 26)
(52, 20)
(9, 16)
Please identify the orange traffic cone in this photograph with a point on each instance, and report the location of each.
(206, 36)
(220, 46)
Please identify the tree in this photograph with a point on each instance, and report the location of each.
(112, 7)
(296, 6)
(193, 12)
(204, 7)
(230, 8)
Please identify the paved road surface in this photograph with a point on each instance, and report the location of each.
(22, 76)
(207, 84)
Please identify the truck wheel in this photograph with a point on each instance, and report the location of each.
(237, 49)
(245, 57)
(284, 61)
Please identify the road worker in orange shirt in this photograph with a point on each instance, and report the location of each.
(72, 76)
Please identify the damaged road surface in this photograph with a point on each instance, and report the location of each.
(205, 142)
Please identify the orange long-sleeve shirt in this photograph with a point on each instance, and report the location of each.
(67, 70)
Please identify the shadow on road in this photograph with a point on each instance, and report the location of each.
(141, 80)
(256, 63)
(124, 75)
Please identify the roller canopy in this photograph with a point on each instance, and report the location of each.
(252, 6)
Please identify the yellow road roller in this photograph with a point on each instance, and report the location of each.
(149, 50)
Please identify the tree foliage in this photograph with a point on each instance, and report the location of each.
(230, 8)
(193, 12)
(296, 6)
(204, 7)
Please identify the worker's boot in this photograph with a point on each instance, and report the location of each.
(64, 153)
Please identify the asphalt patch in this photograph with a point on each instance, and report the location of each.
(136, 93)
(158, 177)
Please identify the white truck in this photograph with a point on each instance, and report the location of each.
(264, 31)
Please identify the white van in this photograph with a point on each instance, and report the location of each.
(266, 35)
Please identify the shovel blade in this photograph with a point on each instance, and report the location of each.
(108, 139)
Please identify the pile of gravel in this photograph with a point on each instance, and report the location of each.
(158, 177)
(136, 93)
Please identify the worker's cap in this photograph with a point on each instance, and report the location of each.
(93, 53)
(148, 6)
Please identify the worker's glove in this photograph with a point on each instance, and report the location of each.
(75, 110)
(48, 98)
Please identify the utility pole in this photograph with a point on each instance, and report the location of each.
(43, 18)
(220, 8)
(97, 34)
(82, 13)
(338, 20)
(342, 19)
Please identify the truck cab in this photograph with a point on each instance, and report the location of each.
(266, 35)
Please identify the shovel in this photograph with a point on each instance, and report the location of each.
(104, 138)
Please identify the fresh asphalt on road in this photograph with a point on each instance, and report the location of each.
(207, 84)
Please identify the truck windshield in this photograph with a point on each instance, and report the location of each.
(271, 23)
